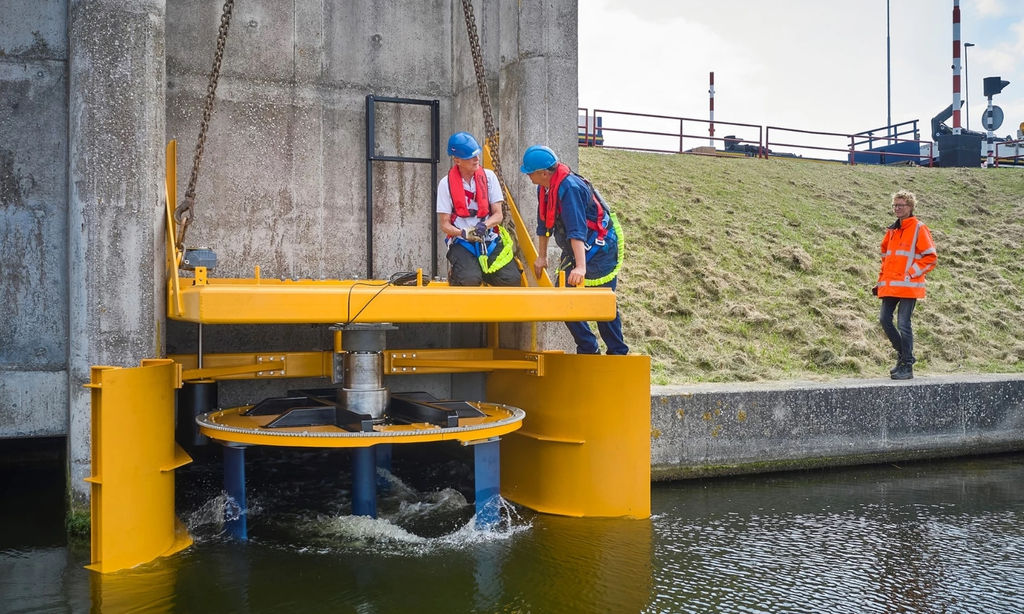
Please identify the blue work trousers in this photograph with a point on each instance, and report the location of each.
(901, 336)
(611, 332)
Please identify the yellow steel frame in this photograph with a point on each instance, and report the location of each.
(272, 365)
(262, 301)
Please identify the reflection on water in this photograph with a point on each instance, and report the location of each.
(943, 537)
(939, 537)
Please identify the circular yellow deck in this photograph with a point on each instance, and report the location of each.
(229, 426)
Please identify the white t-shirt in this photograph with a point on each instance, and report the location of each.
(445, 205)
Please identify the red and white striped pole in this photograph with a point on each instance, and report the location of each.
(956, 66)
(711, 116)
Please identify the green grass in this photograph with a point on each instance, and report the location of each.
(741, 269)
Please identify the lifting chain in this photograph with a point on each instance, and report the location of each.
(485, 102)
(184, 212)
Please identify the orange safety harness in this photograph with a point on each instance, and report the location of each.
(547, 203)
(461, 196)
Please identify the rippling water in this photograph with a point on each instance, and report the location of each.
(938, 537)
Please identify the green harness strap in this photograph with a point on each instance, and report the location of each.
(503, 257)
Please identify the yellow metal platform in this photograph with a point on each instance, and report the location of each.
(272, 301)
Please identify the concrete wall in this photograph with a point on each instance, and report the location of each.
(724, 429)
(91, 91)
(33, 218)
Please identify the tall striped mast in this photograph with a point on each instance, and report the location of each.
(956, 66)
(711, 111)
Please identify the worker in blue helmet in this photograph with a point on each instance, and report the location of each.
(469, 212)
(570, 209)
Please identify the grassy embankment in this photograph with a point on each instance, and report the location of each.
(742, 269)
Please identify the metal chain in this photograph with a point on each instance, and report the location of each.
(184, 212)
(489, 128)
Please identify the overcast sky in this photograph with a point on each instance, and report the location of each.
(807, 64)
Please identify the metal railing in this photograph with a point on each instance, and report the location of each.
(1018, 155)
(848, 144)
(594, 129)
(869, 137)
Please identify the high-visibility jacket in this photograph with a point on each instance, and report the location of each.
(908, 253)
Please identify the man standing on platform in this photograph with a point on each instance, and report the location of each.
(571, 209)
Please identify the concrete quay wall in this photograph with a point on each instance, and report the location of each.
(704, 430)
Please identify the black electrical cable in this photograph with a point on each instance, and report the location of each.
(384, 286)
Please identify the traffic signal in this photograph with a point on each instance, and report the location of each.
(994, 85)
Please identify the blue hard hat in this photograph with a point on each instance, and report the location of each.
(463, 146)
(538, 157)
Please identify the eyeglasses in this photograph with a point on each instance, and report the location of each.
(897, 205)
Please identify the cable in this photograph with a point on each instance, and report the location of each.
(383, 286)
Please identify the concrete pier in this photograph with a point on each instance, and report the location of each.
(115, 200)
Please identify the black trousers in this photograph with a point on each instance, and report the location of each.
(465, 268)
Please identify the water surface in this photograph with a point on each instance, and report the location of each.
(935, 537)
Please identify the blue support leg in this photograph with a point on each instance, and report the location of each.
(383, 456)
(487, 474)
(234, 484)
(364, 482)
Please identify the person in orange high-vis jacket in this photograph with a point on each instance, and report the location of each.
(908, 254)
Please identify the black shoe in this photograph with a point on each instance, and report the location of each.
(903, 371)
(899, 361)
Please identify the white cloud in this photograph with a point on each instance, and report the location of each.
(987, 8)
(801, 64)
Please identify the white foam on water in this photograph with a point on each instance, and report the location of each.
(208, 520)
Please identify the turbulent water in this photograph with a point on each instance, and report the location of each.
(937, 537)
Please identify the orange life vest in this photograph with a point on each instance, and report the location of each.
(461, 196)
(547, 203)
(908, 253)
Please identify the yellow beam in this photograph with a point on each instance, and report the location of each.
(258, 365)
(174, 306)
(461, 360)
(262, 365)
(263, 301)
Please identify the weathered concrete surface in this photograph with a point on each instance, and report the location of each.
(33, 219)
(724, 429)
(115, 201)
